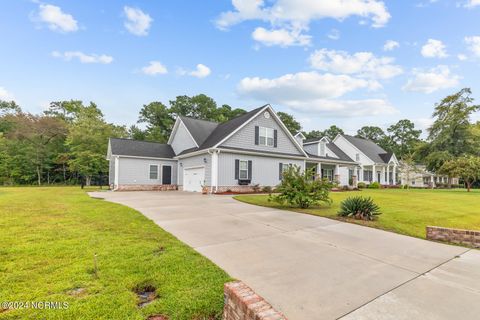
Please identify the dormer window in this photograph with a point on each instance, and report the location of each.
(266, 136)
(322, 149)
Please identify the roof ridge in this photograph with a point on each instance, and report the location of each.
(192, 118)
(136, 140)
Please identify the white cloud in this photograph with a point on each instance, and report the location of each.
(432, 80)
(473, 44)
(303, 11)
(390, 45)
(364, 64)
(334, 34)
(281, 37)
(296, 15)
(138, 22)
(56, 19)
(314, 92)
(5, 95)
(82, 57)
(472, 3)
(462, 57)
(434, 49)
(202, 71)
(154, 68)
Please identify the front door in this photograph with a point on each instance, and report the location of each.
(166, 174)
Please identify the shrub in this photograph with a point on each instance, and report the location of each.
(267, 189)
(298, 189)
(374, 185)
(361, 185)
(256, 187)
(359, 208)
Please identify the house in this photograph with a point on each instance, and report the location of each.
(417, 176)
(252, 149)
(374, 163)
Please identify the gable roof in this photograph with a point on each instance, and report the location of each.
(136, 148)
(372, 150)
(226, 128)
(199, 129)
(338, 152)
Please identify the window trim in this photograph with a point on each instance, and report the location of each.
(150, 172)
(266, 137)
(357, 157)
(240, 169)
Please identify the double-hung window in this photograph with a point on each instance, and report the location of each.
(243, 170)
(266, 136)
(153, 171)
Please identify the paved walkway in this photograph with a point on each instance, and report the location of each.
(315, 268)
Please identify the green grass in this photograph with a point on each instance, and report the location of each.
(48, 238)
(403, 211)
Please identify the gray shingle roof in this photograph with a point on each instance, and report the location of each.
(199, 129)
(225, 128)
(338, 152)
(128, 147)
(369, 148)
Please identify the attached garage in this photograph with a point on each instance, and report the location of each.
(193, 179)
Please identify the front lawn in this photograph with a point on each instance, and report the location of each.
(403, 211)
(48, 239)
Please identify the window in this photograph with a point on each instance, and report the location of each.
(322, 148)
(153, 171)
(357, 157)
(266, 136)
(327, 174)
(243, 170)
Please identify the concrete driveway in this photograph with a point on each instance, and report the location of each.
(315, 268)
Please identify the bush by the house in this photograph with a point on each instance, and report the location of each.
(267, 189)
(359, 208)
(256, 188)
(374, 185)
(361, 185)
(300, 190)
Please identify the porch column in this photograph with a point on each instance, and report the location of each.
(337, 173)
(432, 182)
(383, 175)
(355, 177)
(388, 174)
(319, 171)
(374, 174)
(394, 174)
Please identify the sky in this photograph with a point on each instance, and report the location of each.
(345, 62)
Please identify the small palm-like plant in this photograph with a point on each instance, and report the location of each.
(359, 208)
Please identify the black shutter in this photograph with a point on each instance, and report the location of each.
(257, 133)
(280, 171)
(237, 168)
(275, 138)
(249, 169)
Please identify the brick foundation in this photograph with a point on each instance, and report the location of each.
(248, 188)
(147, 187)
(469, 238)
(242, 303)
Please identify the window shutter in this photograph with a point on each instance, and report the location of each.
(237, 168)
(250, 169)
(275, 138)
(257, 134)
(280, 171)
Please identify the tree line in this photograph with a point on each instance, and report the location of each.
(67, 143)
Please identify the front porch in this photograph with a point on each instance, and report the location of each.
(342, 174)
(383, 174)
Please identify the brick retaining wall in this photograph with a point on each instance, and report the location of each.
(242, 303)
(459, 236)
(146, 187)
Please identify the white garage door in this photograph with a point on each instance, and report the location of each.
(193, 179)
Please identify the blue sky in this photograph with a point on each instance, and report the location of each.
(349, 63)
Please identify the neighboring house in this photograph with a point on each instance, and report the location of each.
(375, 164)
(252, 149)
(417, 176)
